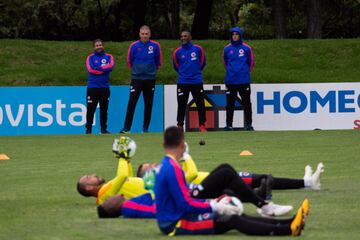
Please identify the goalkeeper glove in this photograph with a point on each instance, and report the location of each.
(224, 208)
(120, 148)
(149, 180)
(186, 154)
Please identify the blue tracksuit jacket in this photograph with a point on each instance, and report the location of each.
(172, 197)
(189, 61)
(99, 66)
(238, 60)
(144, 59)
(142, 206)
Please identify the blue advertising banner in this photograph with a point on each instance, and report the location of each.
(62, 110)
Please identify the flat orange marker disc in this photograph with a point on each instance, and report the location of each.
(246, 153)
(4, 157)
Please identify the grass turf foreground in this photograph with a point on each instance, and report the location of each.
(38, 198)
(54, 63)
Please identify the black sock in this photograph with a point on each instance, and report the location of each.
(250, 226)
(287, 183)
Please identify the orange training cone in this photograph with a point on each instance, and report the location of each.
(246, 153)
(4, 157)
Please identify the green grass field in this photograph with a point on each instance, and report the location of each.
(38, 199)
(43, 63)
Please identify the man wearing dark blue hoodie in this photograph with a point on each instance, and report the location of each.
(239, 62)
(189, 61)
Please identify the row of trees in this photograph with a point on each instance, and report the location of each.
(121, 19)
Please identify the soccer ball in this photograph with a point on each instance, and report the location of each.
(233, 201)
(131, 147)
(124, 144)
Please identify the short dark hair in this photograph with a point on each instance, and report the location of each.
(97, 40)
(173, 136)
(81, 189)
(139, 172)
(187, 31)
(102, 213)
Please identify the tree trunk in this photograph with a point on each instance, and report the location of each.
(92, 24)
(175, 18)
(234, 14)
(313, 18)
(279, 11)
(139, 8)
(122, 12)
(200, 26)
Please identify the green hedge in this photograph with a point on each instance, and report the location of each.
(52, 63)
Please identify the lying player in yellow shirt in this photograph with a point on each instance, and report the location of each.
(124, 183)
(263, 182)
(130, 187)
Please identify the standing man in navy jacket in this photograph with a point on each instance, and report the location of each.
(99, 65)
(239, 62)
(189, 61)
(144, 59)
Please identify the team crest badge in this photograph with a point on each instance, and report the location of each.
(150, 49)
(204, 216)
(103, 61)
(241, 52)
(193, 56)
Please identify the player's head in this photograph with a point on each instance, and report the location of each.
(174, 141)
(143, 168)
(185, 37)
(145, 33)
(89, 185)
(98, 45)
(111, 208)
(236, 34)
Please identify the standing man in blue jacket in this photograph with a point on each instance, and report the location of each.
(178, 213)
(144, 59)
(189, 61)
(239, 62)
(99, 65)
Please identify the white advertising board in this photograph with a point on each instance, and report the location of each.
(285, 106)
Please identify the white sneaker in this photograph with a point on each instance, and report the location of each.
(308, 172)
(274, 210)
(307, 176)
(315, 178)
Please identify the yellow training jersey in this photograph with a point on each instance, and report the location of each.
(123, 184)
(200, 177)
(192, 174)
